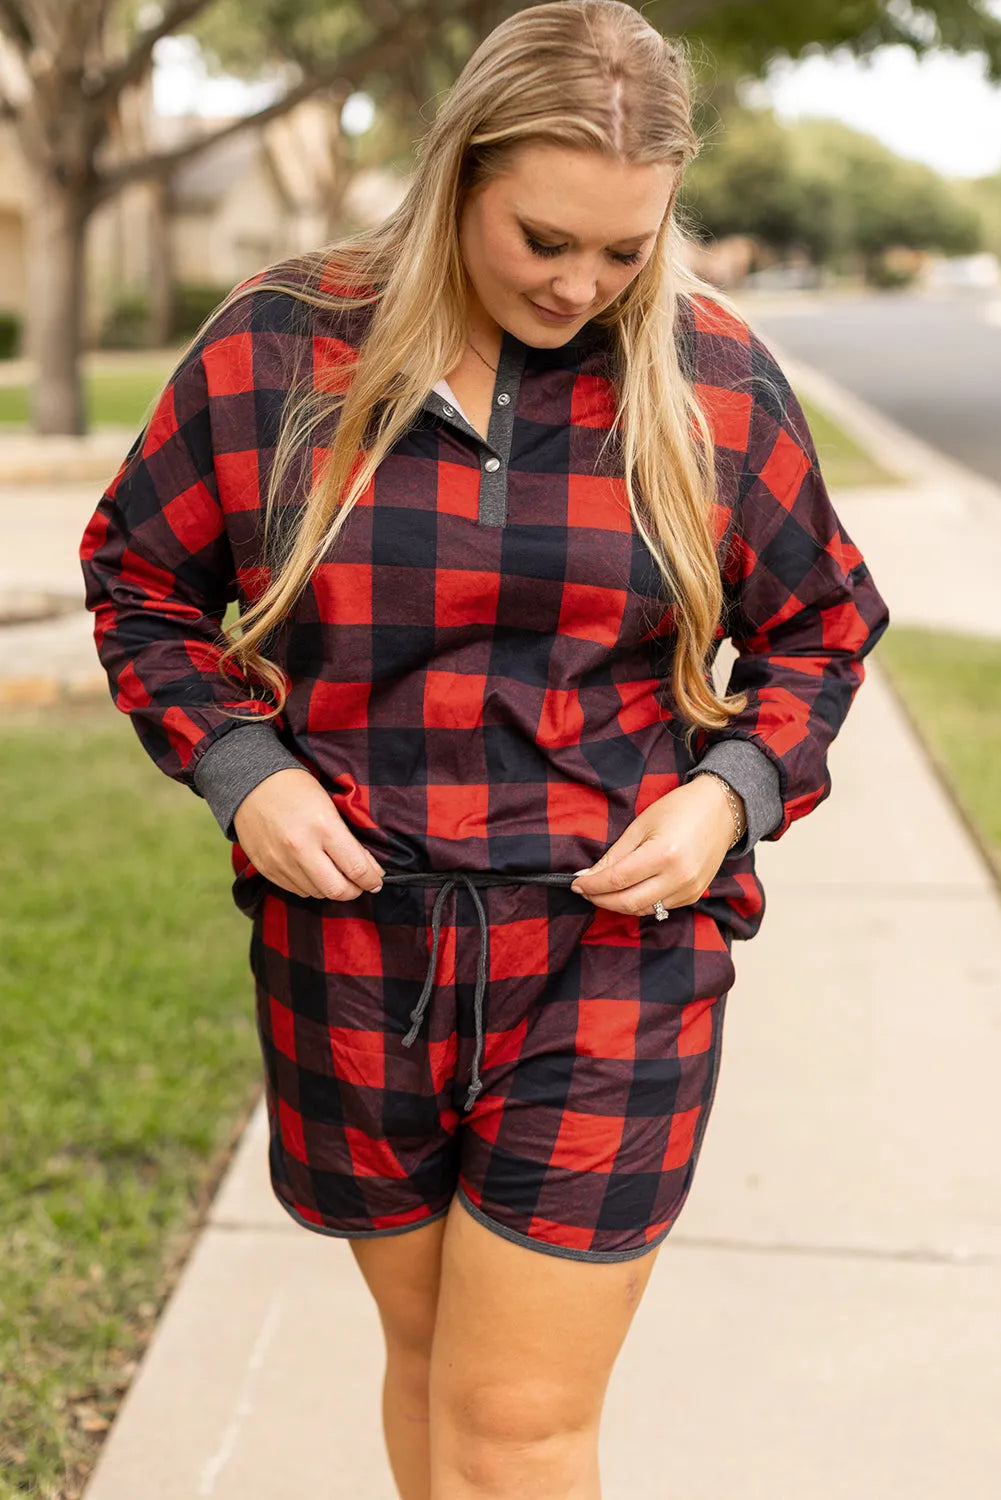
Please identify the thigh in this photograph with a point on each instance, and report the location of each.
(403, 1273)
(524, 1343)
(600, 1073)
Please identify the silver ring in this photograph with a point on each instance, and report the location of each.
(660, 911)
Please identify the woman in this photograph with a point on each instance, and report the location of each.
(491, 482)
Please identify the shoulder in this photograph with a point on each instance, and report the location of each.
(735, 371)
(719, 342)
(281, 319)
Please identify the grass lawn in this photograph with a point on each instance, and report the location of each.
(122, 399)
(128, 1063)
(842, 462)
(115, 400)
(951, 686)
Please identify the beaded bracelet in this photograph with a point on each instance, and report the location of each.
(735, 807)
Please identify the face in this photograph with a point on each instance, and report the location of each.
(564, 231)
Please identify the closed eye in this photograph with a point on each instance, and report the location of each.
(537, 248)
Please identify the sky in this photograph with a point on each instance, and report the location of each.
(938, 109)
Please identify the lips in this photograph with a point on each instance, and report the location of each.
(564, 317)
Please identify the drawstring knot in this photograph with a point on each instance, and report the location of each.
(448, 880)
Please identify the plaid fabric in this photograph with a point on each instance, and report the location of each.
(480, 673)
(601, 1052)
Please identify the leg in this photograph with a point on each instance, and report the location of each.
(523, 1350)
(402, 1272)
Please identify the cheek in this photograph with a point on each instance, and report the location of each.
(622, 278)
(513, 264)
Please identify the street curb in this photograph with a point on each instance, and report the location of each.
(991, 861)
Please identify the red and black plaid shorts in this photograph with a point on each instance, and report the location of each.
(552, 1062)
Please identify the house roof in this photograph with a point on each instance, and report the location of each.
(207, 177)
(292, 147)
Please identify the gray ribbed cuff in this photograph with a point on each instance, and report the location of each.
(235, 764)
(754, 778)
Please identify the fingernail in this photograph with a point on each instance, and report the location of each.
(584, 871)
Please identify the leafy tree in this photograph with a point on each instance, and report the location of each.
(884, 200)
(73, 64)
(76, 61)
(983, 196)
(824, 188)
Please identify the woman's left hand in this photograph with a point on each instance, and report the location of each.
(669, 853)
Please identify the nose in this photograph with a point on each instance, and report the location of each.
(574, 292)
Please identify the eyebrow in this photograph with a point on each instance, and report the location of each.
(561, 234)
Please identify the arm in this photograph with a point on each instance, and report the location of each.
(802, 611)
(159, 572)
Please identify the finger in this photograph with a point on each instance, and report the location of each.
(631, 838)
(621, 867)
(350, 856)
(287, 883)
(638, 900)
(326, 879)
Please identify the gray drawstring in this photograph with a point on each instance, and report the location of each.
(448, 879)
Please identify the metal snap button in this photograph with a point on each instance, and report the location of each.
(449, 411)
(492, 464)
(503, 398)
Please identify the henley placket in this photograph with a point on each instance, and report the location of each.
(495, 448)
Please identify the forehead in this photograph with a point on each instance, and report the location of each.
(585, 192)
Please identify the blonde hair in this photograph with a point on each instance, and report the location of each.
(591, 75)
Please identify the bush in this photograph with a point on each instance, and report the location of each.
(10, 335)
(886, 276)
(193, 301)
(126, 324)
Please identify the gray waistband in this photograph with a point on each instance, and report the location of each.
(447, 880)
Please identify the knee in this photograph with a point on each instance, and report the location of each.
(506, 1441)
(502, 1416)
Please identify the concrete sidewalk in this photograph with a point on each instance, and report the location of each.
(825, 1320)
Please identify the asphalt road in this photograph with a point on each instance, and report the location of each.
(931, 361)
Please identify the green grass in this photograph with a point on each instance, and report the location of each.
(951, 684)
(842, 462)
(115, 400)
(128, 1058)
(122, 400)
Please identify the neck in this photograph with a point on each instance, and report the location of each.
(483, 332)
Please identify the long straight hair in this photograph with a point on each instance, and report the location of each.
(591, 75)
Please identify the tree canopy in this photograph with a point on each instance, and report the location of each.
(820, 186)
(69, 65)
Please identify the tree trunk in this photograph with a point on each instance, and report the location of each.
(161, 279)
(56, 219)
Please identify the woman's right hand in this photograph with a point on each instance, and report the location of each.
(294, 835)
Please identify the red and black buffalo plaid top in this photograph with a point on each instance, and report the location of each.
(480, 672)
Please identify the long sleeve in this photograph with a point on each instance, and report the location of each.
(802, 609)
(159, 573)
(756, 781)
